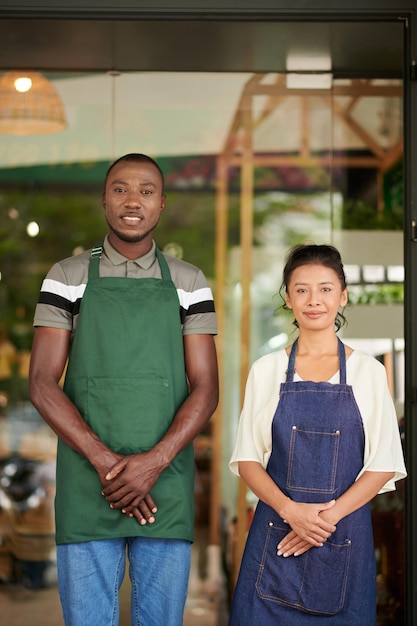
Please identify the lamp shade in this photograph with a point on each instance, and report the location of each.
(29, 105)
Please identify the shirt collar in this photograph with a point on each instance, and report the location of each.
(145, 261)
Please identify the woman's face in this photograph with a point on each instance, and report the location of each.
(315, 295)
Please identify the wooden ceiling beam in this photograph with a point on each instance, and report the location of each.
(356, 91)
(357, 129)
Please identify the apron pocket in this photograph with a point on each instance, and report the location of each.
(318, 450)
(129, 414)
(314, 582)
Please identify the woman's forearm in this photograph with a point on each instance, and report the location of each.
(262, 485)
(360, 493)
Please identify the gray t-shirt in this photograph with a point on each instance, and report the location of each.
(63, 289)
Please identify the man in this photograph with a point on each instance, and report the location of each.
(141, 383)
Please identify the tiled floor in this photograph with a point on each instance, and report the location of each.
(22, 607)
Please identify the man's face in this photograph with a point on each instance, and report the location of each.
(133, 201)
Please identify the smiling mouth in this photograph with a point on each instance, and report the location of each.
(132, 219)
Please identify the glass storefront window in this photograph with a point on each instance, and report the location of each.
(315, 165)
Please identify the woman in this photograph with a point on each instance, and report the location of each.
(318, 439)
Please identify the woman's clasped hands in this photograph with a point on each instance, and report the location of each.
(311, 524)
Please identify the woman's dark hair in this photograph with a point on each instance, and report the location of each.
(135, 157)
(311, 254)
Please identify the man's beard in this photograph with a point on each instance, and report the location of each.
(134, 238)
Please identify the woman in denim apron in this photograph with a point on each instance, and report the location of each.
(309, 556)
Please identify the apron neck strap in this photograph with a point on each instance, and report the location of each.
(166, 274)
(291, 362)
(95, 256)
(342, 362)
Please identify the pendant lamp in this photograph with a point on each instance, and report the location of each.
(29, 105)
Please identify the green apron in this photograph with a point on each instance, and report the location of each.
(126, 375)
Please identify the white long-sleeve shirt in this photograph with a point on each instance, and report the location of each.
(366, 375)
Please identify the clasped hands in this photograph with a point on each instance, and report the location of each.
(127, 486)
(311, 524)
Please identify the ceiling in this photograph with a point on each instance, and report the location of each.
(180, 80)
(356, 48)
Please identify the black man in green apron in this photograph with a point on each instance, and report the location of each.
(141, 382)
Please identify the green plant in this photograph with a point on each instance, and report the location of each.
(356, 215)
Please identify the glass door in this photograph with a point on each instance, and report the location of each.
(316, 159)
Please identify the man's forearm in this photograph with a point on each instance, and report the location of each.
(191, 418)
(65, 420)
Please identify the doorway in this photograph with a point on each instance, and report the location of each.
(256, 51)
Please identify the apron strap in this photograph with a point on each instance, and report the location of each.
(342, 362)
(166, 274)
(94, 265)
(291, 363)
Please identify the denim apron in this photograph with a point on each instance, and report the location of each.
(317, 453)
(126, 375)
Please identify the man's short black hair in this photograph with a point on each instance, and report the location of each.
(135, 157)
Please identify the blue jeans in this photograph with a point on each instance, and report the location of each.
(91, 573)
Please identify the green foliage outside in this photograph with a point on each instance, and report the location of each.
(360, 216)
(376, 294)
(66, 221)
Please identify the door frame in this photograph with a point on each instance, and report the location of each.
(298, 12)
